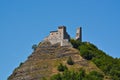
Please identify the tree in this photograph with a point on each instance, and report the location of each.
(56, 77)
(75, 43)
(78, 75)
(87, 55)
(81, 74)
(34, 47)
(86, 51)
(94, 75)
(70, 61)
(61, 67)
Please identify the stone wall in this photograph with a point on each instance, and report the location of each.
(79, 34)
(62, 37)
(59, 36)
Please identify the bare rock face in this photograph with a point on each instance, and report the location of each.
(43, 62)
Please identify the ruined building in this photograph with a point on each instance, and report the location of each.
(79, 34)
(62, 37)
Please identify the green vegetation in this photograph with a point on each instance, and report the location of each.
(97, 66)
(61, 67)
(21, 64)
(109, 65)
(34, 47)
(75, 43)
(80, 75)
(70, 61)
(75, 75)
(94, 76)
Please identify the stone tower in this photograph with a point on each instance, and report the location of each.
(79, 34)
(62, 31)
(59, 36)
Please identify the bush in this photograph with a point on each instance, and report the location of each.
(56, 77)
(70, 61)
(21, 64)
(34, 47)
(94, 76)
(75, 43)
(86, 51)
(87, 55)
(61, 67)
(79, 75)
(103, 61)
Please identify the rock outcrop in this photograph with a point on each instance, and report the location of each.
(43, 62)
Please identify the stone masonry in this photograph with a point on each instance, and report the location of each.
(79, 34)
(61, 36)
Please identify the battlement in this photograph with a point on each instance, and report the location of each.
(61, 36)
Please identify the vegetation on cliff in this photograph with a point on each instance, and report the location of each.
(48, 60)
(109, 65)
(53, 62)
(79, 75)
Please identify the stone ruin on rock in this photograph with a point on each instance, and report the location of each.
(62, 37)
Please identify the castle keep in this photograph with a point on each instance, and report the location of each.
(62, 37)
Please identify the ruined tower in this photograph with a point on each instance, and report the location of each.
(62, 31)
(59, 36)
(79, 34)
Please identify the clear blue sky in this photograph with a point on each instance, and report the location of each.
(27, 22)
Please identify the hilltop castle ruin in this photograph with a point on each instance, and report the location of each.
(79, 34)
(62, 37)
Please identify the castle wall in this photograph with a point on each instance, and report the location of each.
(60, 36)
(65, 42)
(54, 35)
(79, 34)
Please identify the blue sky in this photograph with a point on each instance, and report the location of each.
(27, 22)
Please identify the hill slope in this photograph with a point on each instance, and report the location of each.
(43, 62)
(109, 65)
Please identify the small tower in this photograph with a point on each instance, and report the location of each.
(79, 34)
(62, 31)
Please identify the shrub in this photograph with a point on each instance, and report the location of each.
(75, 43)
(86, 52)
(34, 47)
(78, 75)
(87, 55)
(21, 64)
(94, 76)
(61, 67)
(70, 61)
(56, 77)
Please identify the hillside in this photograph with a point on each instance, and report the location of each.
(43, 62)
(109, 65)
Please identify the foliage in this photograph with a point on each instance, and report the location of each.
(56, 77)
(86, 50)
(80, 75)
(94, 76)
(109, 65)
(61, 67)
(87, 55)
(21, 64)
(70, 61)
(75, 43)
(34, 47)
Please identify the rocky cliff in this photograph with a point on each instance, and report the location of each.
(43, 62)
